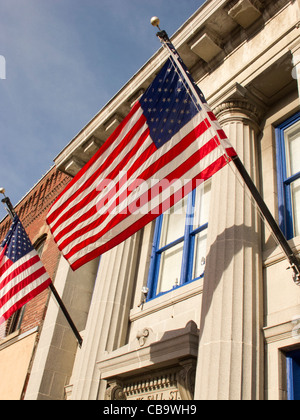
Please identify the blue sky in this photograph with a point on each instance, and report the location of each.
(64, 60)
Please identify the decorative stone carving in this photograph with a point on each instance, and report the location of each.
(244, 107)
(186, 379)
(114, 391)
(174, 383)
(143, 335)
(161, 385)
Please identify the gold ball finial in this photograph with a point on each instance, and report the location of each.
(2, 191)
(155, 21)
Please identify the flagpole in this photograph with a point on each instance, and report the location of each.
(12, 214)
(66, 313)
(9, 208)
(293, 260)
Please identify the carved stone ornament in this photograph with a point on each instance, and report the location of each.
(186, 379)
(160, 385)
(142, 336)
(234, 107)
(115, 392)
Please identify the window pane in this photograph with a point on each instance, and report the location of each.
(202, 204)
(170, 268)
(199, 254)
(173, 223)
(293, 375)
(295, 192)
(292, 144)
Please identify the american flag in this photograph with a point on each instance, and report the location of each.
(169, 142)
(22, 274)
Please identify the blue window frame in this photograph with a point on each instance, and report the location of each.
(179, 245)
(293, 375)
(288, 169)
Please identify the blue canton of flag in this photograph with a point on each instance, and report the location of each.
(168, 104)
(176, 56)
(17, 242)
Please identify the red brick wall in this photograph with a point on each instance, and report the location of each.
(32, 211)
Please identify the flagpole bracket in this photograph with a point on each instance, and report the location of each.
(9, 207)
(163, 36)
(296, 278)
(296, 274)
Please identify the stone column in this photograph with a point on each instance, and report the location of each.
(55, 353)
(230, 357)
(107, 322)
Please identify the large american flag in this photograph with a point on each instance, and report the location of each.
(169, 142)
(22, 274)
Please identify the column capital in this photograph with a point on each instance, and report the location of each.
(240, 104)
(234, 110)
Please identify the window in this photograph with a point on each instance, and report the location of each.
(179, 245)
(12, 324)
(293, 375)
(288, 164)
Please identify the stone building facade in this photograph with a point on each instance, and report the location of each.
(230, 329)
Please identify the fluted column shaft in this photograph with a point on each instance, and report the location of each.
(108, 317)
(230, 346)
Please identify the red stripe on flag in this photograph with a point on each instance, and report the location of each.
(211, 116)
(5, 267)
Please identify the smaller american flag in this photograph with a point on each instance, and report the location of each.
(22, 274)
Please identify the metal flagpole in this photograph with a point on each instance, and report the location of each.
(293, 260)
(66, 313)
(12, 214)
